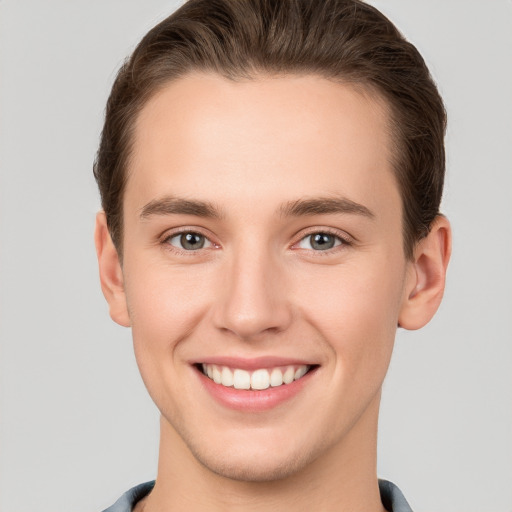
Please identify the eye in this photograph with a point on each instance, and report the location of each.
(189, 241)
(320, 241)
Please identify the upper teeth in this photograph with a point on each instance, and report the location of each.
(258, 379)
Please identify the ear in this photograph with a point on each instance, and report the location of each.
(111, 274)
(426, 276)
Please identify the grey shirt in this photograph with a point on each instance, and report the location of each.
(391, 496)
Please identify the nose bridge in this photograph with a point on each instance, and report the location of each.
(253, 296)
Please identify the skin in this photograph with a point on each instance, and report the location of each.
(258, 287)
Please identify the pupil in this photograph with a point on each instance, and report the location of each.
(322, 241)
(192, 241)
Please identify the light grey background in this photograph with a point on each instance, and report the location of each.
(77, 428)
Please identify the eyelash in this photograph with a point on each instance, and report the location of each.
(343, 239)
(187, 252)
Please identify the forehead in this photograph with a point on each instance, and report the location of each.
(270, 136)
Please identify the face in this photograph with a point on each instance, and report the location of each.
(263, 250)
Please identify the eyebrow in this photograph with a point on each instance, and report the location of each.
(170, 205)
(323, 206)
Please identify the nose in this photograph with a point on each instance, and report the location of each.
(253, 298)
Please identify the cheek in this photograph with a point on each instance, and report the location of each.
(355, 308)
(165, 305)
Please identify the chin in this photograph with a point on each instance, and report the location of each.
(257, 463)
(262, 470)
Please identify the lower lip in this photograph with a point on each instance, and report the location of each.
(248, 400)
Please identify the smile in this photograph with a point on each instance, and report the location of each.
(259, 379)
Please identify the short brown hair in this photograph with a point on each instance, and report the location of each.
(344, 40)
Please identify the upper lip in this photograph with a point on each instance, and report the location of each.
(251, 364)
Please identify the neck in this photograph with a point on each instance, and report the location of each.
(342, 478)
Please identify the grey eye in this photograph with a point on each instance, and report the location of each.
(189, 241)
(319, 241)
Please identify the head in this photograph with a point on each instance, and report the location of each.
(271, 173)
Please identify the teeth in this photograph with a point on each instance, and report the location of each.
(227, 377)
(300, 372)
(288, 375)
(241, 379)
(276, 377)
(217, 376)
(258, 380)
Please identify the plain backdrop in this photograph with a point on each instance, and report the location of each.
(77, 428)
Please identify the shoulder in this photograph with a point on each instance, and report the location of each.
(392, 497)
(128, 500)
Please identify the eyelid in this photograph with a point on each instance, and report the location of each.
(171, 233)
(179, 235)
(346, 239)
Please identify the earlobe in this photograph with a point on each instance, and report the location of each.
(111, 274)
(426, 277)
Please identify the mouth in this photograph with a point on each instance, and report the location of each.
(259, 379)
(257, 384)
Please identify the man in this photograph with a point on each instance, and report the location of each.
(271, 173)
